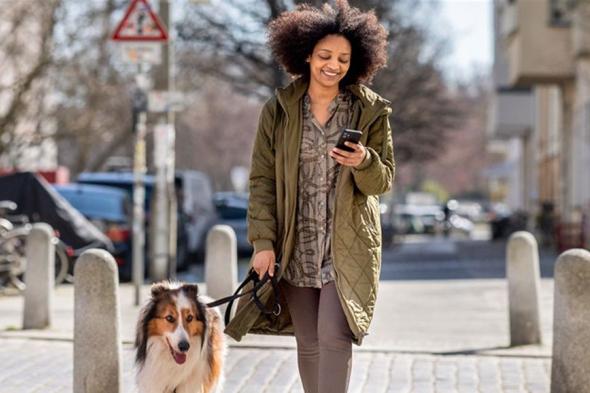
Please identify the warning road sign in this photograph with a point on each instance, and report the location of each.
(140, 23)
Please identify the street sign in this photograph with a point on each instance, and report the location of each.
(165, 101)
(141, 52)
(140, 24)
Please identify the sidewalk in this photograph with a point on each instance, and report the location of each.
(46, 366)
(427, 336)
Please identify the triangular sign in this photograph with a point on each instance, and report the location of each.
(140, 23)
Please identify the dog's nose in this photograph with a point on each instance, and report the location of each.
(183, 346)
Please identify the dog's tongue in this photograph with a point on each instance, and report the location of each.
(179, 357)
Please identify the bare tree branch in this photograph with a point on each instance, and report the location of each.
(46, 18)
(423, 109)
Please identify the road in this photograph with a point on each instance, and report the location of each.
(439, 258)
(420, 257)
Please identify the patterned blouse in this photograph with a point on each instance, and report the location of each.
(311, 265)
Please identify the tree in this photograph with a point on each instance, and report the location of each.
(216, 132)
(229, 43)
(460, 168)
(94, 114)
(60, 82)
(28, 29)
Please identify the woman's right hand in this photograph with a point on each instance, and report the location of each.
(264, 261)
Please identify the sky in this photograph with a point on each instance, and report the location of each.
(470, 27)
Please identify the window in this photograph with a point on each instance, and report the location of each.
(560, 12)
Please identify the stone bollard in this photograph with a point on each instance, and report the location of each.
(523, 273)
(571, 319)
(221, 263)
(97, 345)
(39, 277)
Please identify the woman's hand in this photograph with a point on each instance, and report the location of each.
(264, 261)
(346, 158)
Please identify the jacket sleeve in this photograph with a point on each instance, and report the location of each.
(374, 176)
(262, 222)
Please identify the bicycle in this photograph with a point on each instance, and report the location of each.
(14, 230)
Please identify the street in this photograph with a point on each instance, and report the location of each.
(169, 132)
(421, 257)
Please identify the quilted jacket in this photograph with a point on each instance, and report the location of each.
(356, 231)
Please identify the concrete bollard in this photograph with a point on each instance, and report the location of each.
(97, 345)
(571, 319)
(523, 273)
(221, 263)
(39, 277)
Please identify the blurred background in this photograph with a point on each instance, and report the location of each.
(491, 118)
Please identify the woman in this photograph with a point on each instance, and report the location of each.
(315, 205)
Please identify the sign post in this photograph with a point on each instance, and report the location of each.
(140, 34)
(164, 219)
(139, 170)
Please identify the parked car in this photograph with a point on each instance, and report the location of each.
(196, 213)
(109, 209)
(470, 209)
(418, 219)
(232, 210)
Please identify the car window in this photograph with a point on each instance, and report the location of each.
(125, 186)
(229, 212)
(109, 207)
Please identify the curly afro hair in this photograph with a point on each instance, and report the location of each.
(293, 35)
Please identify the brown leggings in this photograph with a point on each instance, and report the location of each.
(324, 340)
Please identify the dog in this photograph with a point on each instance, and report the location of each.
(180, 344)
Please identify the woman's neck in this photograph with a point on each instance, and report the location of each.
(320, 94)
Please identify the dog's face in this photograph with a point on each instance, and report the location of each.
(174, 316)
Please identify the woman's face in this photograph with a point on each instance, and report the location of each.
(330, 60)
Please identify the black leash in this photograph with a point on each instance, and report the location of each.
(258, 283)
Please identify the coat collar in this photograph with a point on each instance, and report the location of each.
(371, 103)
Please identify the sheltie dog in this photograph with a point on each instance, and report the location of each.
(180, 344)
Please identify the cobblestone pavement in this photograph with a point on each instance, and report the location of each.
(29, 366)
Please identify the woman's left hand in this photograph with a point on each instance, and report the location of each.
(349, 158)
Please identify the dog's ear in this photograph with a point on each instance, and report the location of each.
(147, 313)
(191, 290)
(158, 289)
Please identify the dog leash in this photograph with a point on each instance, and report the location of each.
(258, 283)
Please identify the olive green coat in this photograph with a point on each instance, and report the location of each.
(356, 231)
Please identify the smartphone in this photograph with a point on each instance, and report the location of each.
(348, 135)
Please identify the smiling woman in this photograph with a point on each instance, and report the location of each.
(314, 203)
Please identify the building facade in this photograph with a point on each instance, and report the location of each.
(542, 99)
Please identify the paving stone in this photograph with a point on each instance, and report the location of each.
(46, 366)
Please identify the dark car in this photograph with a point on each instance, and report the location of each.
(232, 210)
(196, 213)
(109, 209)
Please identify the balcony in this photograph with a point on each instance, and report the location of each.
(511, 113)
(581, 30)
(538, 42)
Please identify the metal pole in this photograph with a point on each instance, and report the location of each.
(171, 162)
(139, 170)
(159, 221)
(163, 261)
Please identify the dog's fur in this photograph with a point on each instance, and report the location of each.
(174, 317)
